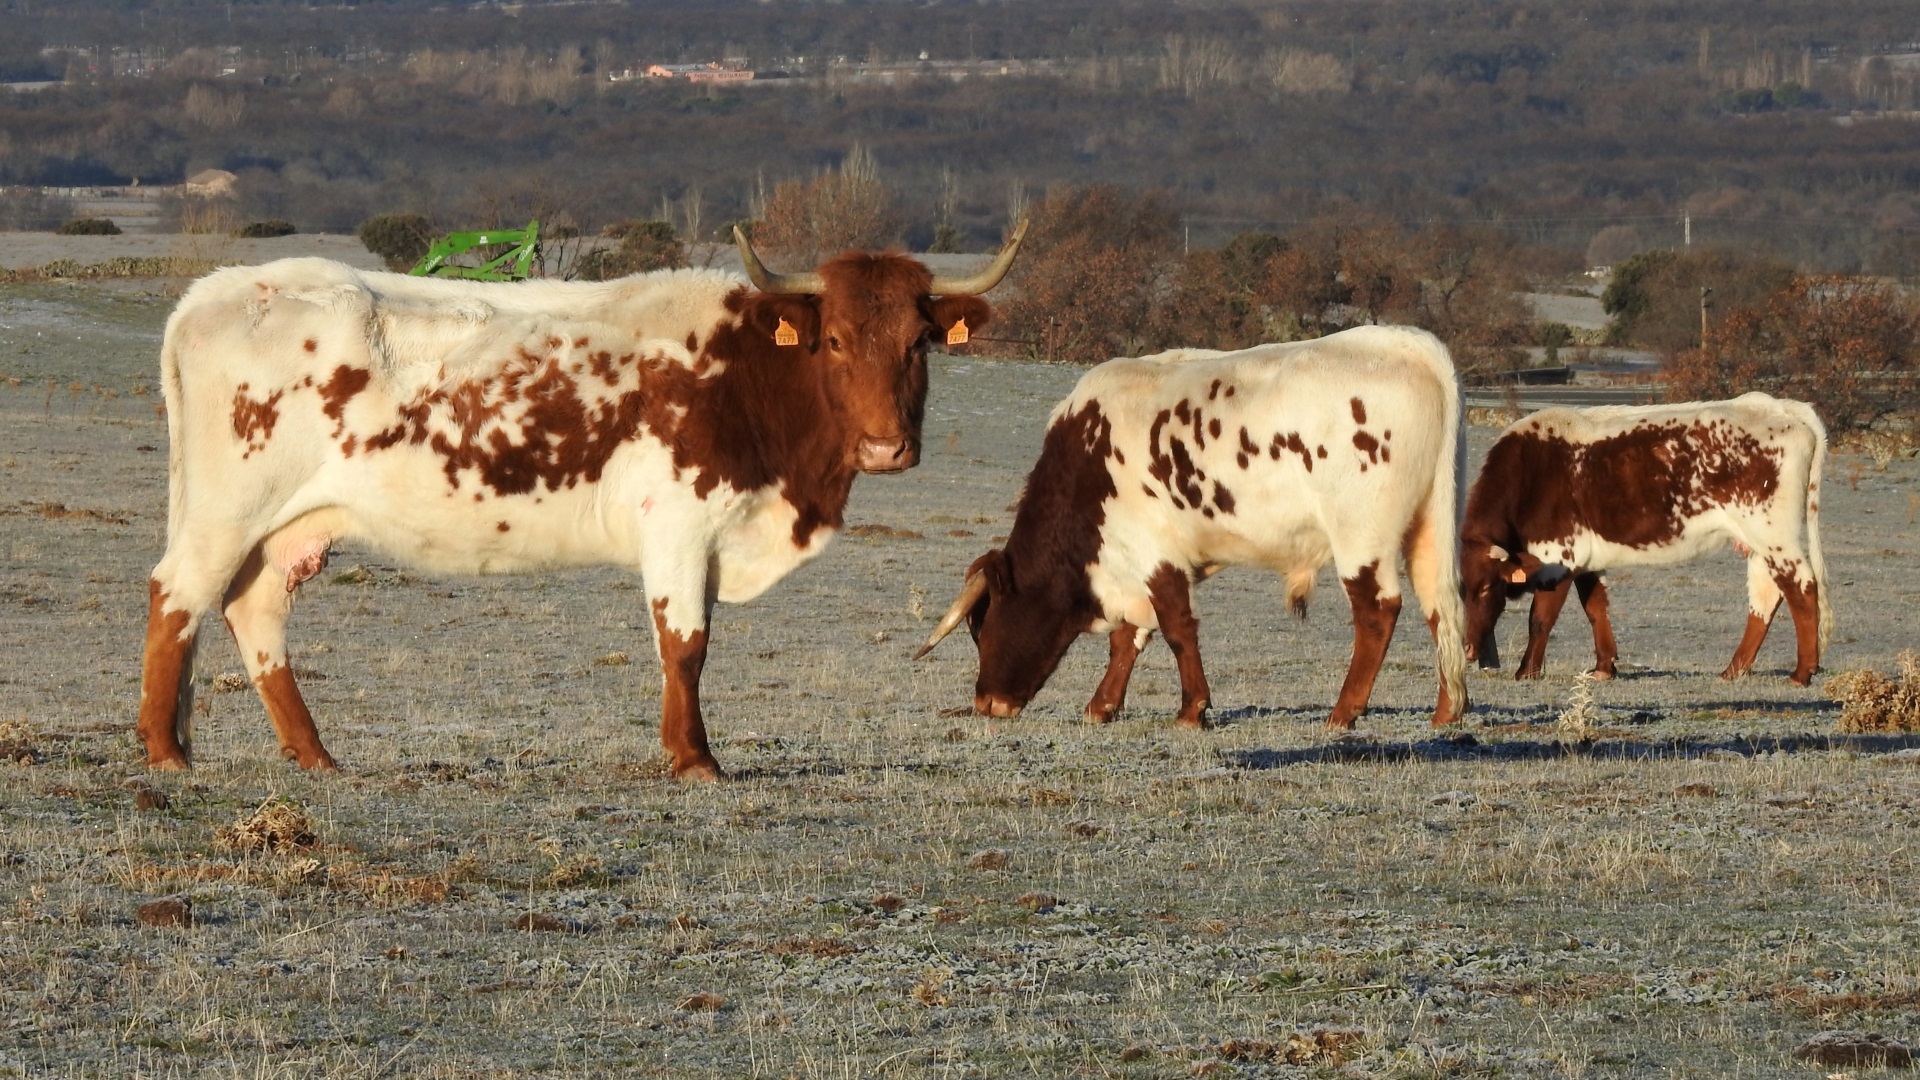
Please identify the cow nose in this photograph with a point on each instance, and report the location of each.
(888, 455)
(996, 707)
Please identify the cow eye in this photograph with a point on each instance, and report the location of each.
(833, 342)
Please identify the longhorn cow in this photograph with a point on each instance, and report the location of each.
(686, 424)
(1158, 471)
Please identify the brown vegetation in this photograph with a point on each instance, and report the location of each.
(1871, 701)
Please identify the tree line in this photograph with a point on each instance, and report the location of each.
(1552, 124)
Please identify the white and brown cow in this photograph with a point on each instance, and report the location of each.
(1567, 494)
(1158, 471)
(679, 423)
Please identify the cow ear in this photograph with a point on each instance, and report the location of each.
(786, 320)
(949, 310)
(994, 565)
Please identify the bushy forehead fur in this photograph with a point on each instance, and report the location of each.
(880, 292)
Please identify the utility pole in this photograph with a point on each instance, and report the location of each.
(1705, 303)
(1686, 228)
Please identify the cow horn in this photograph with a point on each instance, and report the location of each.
(985, 279)
(1497, 553)
(766, 282)
(969, 593)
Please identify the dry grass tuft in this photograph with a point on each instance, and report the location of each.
(1868, 1049)
(990, 859)
(173, 911)
(1582, 713)
(1869, 701)
(279, 826)
(1321, 1046)
(17, 739)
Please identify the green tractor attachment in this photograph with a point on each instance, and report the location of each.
(511, 265)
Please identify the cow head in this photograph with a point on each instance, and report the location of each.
(1021, 630)
(1026, 603)
(868, 320)
(1489, 577)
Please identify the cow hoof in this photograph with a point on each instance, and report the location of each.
(1600, 674)
(169, 765)
(1335, 723)
(1798, 679)
(701, 773)
(1732, 674)
(1099, 716)
(1528, 676)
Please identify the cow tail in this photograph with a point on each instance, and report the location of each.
(1443, 519)
(173, 396)
(1817, 560)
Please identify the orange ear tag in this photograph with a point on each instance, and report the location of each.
(785, 334)
(958, 334)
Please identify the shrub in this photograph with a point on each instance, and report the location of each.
(265, 230)
(1828, 340)
(89, 226)
(1654, 296)
(399, 239)
(946, 240)
(1869, 701)
(810, 221)
(644, 246)
(1088, 272)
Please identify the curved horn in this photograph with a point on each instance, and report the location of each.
(766, 282)
(1497, 553)
(969, 593)
(985, 279)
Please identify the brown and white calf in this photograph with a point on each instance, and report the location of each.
(1568, 494)
(683, 424)
(1158, 471)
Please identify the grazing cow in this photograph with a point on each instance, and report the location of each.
(1158, 471)
(678, 423)
(1567, 494)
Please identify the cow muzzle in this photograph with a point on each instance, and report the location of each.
(887, 455)
(997, 707)
(1485, 652)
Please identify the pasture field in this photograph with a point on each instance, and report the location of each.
(502, 881)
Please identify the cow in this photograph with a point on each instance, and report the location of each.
(1158, 471)
(1568, 494)
(698, 427)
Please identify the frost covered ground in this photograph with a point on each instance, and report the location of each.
(502, 881)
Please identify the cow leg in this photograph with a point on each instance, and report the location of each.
(1376, 609)
(188, 580)
(1763, 599)
(166, 680)
(1593, 599)
(1123, 648)
(257, 606)
(1172, 596)
(1547, 603)
(1803, 601)
(677, 593)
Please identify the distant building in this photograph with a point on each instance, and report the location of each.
(211, 184)
(715, 72)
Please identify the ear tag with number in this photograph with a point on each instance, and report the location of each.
(785, 334)
(958, 334)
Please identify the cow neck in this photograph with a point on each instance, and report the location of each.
(763, 421)
(1056, 531)
(1522, 491)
